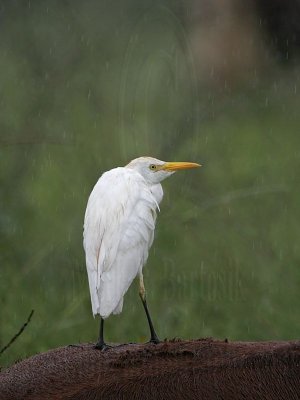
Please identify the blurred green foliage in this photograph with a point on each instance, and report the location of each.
(87, 86)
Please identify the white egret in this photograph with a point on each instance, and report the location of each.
(118, 232)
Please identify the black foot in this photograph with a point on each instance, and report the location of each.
(102, 346)
(154, 340)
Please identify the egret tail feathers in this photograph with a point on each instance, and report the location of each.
(115, 283)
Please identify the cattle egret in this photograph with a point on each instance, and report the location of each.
(119, 230)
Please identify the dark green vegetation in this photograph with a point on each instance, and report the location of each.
(85, 87)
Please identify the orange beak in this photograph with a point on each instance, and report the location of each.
(175, 166)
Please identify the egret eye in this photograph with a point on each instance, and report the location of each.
(152, 167)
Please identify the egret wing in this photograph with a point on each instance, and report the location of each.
(118, 230)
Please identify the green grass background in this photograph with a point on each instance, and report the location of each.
(87, 86)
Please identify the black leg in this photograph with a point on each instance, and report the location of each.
(142, 292)
(101, 345)
(153, 335)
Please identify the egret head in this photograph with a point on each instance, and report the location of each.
(155, 171)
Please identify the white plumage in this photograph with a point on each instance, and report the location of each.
(119, 230)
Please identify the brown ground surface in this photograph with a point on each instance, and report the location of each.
(199, 369)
